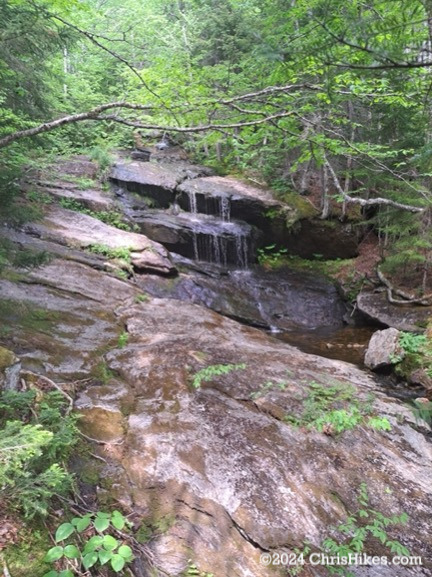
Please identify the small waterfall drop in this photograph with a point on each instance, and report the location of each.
(193, 202)
(225, 208)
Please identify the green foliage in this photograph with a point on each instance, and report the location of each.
(192, 570)
(110, 217)
(412, 343)
(88, 541)
(142, 298)
(209, 373)
(266, 387)
(272, 257)
(104, 160)
(123, 339)
(103, 373)
(335, 409)
(36, 434)
(364, 525)
(113, 253)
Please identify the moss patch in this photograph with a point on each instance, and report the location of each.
(26, 557)
(7, 358)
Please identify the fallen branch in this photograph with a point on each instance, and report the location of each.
(405, 297)
(50, 383)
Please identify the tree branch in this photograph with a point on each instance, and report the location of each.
(371, 201)
(53, 124)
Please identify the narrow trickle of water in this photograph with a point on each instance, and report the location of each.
(242, 256)
(216, 252)
(192, 201)
(195, 246)
(225, 208)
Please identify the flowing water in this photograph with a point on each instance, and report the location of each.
(207, 234)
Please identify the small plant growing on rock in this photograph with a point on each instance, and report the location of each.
(122, 253)
(266, 387)
(123, 339)
(270, 256)
(193, 571)
(335, 409)
(364, 524)
(142, 298)
(208, 373)
(92, 546)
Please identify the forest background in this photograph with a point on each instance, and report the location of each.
(302, 95)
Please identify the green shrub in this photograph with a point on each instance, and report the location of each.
(36, 436)
(361, 526)
(335, 409)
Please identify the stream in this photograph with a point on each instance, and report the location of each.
(216, 255)
(213, 475)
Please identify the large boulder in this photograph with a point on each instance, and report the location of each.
(383, 349)
(409, 317)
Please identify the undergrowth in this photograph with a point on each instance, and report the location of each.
(335, 409)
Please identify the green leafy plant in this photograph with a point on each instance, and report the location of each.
(412, 343)
(92, 544)
(209, 373)
(122, 253)
(335, 409)
(103, 158)
(266, 387)
(270, 256)
(142, 298)
(123, 339)
(361, 526)
(192, 570)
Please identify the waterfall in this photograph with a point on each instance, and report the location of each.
(225, 208)
(242, 252)
(192, 201)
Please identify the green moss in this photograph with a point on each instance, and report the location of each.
(153, 527)
(7, 358)
(26, 557)
(302, 206)
(27, 316)
(102, 373)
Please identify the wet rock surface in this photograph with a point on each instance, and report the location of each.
(282, 300)
(179, 187)
(216, 474)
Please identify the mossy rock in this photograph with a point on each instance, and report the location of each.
(7, 358)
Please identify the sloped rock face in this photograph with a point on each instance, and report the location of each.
(79, 230)
(218, 468)
(221, 463)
